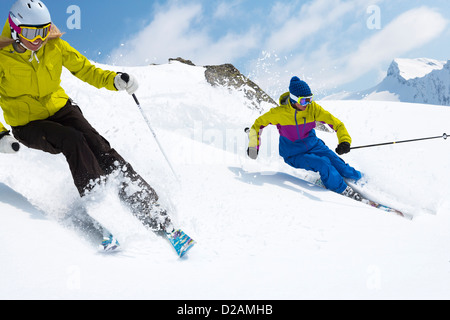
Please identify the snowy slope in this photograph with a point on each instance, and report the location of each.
(419, 80)
(262, 232)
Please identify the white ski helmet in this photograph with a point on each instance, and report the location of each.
(31, 13)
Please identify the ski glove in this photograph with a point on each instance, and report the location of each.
(124, 81)
(8, 144)
(252, 152)
(343, 147)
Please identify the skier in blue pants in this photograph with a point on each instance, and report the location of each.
(295, 119)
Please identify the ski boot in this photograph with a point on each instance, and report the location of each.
(349, 192)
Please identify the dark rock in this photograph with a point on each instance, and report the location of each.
(188, 62)
(226, 75)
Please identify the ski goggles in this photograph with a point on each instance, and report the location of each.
(304, 101)
(32, 33)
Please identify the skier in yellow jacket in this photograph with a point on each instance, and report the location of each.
(43, 117)
(299, 146)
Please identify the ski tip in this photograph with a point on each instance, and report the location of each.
(396, 212)
(109, 244)
(187, 247)
(410, 217)
(180, 241)
(110, 249)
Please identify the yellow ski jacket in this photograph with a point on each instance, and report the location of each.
(30, 87)
(296, 128)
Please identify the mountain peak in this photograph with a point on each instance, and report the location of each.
(420, 80)
(414, 68)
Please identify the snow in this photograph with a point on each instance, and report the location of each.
(420, 80)
(382, 96)
(418, 68)
(262, 232)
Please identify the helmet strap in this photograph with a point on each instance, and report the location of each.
(19, 47)
(17, 44)
(14, 34)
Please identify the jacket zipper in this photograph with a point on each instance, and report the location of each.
(296, 124)
(298, 129)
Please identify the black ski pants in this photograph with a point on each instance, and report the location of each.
(89, 155)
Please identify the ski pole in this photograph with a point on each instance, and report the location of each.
(154, 134)
(445, 136)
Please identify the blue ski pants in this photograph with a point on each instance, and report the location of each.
(329, 165)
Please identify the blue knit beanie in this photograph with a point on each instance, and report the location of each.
(299, 88)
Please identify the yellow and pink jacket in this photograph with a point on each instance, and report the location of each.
(31, 90)
(296, 128)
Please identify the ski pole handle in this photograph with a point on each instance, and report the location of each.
(135, 99)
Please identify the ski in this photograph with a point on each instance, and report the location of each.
(378, 205)
(369, 202)
(180, 241)
(109, 243)
(385, 208)
(80, 219)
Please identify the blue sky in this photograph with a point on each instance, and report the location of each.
(332, 44)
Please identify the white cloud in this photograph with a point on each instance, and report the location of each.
(226, 9)
(303, 24)
(163, 37)
(412, 29)
(332, 62)
(177, 31)
(319, 39)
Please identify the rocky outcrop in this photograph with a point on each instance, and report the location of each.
(228, 76)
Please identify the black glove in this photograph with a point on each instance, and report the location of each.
(343, 147)
(252, 152)
(125, 81)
